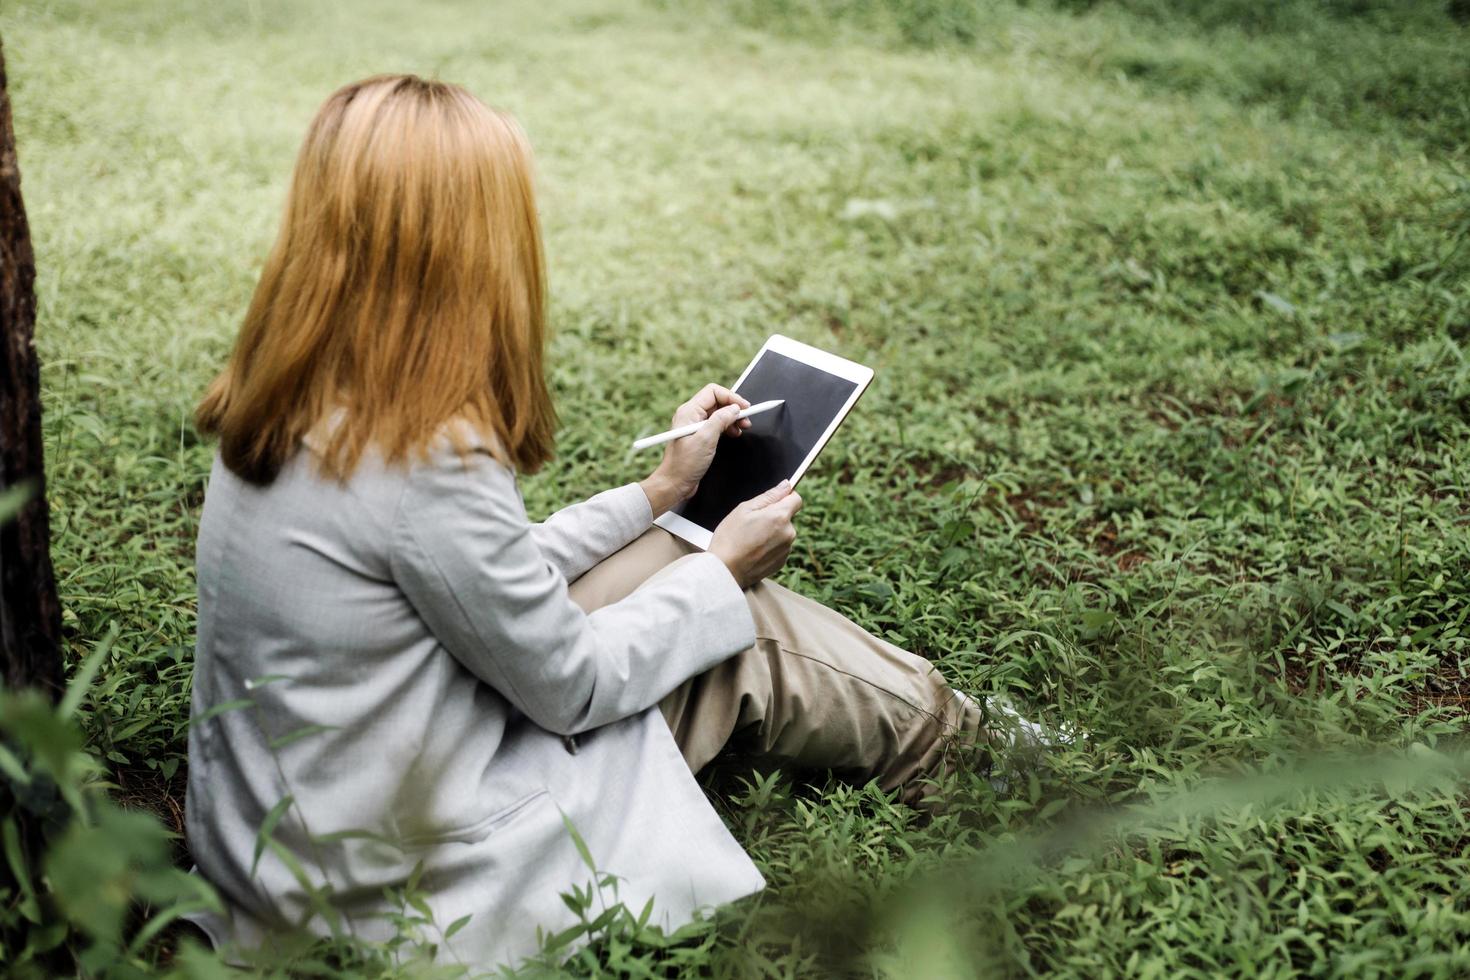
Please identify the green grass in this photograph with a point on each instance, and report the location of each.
(1169, 306)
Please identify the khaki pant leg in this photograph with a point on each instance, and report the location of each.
(815, 690)
(617, 576)
(818, 691)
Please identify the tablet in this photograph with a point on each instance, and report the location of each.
(819, 390)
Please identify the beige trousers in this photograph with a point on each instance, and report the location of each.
(815, 691)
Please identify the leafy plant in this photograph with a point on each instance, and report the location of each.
(75, 889)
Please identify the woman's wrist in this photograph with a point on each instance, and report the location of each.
(662, 493)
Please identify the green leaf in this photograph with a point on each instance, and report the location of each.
(52, 745)
(96, 872)
(1425, 633)
(953, 532)
(602, 920)
(46, 938)
(954, 555)
(220, 709)
(158, 923)
(82, 679)
(565, 937)
(1052, 808)
(644, 915)
(15, 856)
(12, 768)
(319, 899)
(414, 876)
(267, 826)
(129, 731)
(457, 925)
(298, 734)
(1276, 303)
(337, 836)
(577, 840)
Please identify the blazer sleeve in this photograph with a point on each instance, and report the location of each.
(577, 537)
(464, 554)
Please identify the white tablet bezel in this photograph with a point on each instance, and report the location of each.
(699, 536)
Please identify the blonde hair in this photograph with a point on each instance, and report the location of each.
(406, 288)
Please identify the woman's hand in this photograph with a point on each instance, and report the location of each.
(755, 538)
(686, 460)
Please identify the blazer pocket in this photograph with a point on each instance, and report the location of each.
(475, 832)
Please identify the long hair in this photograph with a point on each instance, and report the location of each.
(405, 291)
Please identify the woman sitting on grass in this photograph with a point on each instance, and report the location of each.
(429, 669)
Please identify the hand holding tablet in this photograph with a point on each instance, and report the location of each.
(817, 389)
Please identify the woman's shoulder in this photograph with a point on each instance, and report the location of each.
(457, 445)
(461, 463)
(454, 482)
(456, 496)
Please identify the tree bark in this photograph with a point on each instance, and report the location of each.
(30, 614)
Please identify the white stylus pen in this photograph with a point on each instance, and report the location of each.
(693, 427)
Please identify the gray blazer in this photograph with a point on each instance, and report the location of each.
(413, 661)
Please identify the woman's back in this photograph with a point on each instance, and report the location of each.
(357, 714)
(328, 607)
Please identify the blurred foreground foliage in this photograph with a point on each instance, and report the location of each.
(96, 883)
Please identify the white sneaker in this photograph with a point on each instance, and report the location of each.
(1022, 733)
(1022, 739)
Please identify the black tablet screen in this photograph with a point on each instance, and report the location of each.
(776, 442)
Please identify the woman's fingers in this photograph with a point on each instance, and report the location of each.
(771, 496)
(719, 422)
(709, 400)
(725, 396)
(713, 396)
(755, 538)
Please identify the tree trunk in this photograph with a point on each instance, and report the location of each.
(30, 615)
